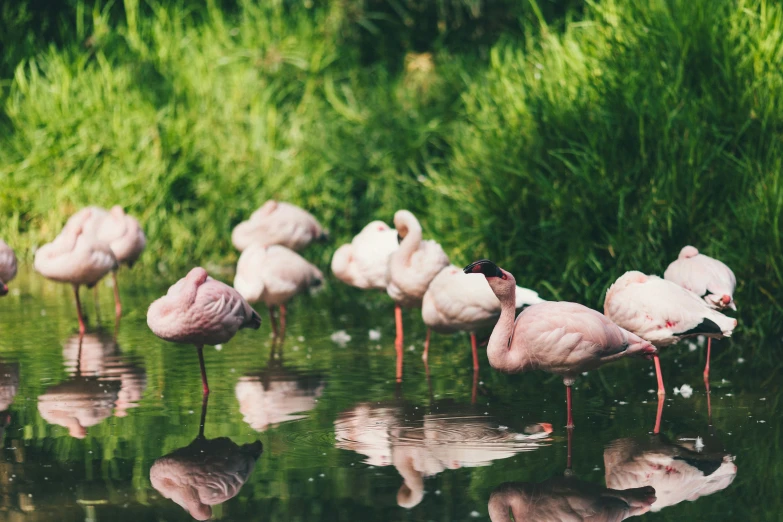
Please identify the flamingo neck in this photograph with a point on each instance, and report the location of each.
(499, 347)
(410, 243)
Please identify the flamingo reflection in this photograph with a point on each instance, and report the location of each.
(205, 473)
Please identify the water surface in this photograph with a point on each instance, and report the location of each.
(318, 429)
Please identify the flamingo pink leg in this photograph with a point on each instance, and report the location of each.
(398, 340)
(203, 369)
(82, 328)
(272, 321)
(658, 415)
(475, 387)
(661, 389)
(117, 303)
(568, 406)
(707, 367)
(570, 442)
(426, 347)
(282, 321)
(475, 351)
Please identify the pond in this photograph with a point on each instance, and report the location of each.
(317, 428)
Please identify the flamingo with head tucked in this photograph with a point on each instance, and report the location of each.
(77, 258)
(706, 277)
(364, 262)
(412, 267)
(558, 337)
(278, 223)
(199, 310)
(274, 275)
(7, 266)
(662, 312)
(456, 301)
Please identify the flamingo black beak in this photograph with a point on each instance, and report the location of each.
(3, 289)
(483, 266)
(399, 239)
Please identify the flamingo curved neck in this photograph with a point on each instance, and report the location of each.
(499, 346)
(410, 243)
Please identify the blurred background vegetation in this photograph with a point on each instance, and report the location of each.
(568, 140)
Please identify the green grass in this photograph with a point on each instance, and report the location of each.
(569, 142)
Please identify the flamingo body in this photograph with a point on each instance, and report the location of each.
(273, 274)
(7, 266)
(661, 311)
(123, 235)
(205, 473)
(567, 499)
(456, 301)
(706, 277)
(278, 223)
(676, 472)
(200, 310)
(363, 262)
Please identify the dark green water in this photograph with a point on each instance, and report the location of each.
(341, 439)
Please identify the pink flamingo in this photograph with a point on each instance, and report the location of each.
(77, 258)
(199, 310)
(278, 223)
(705, 277)
(662, 312)
(364, 262)
(678, 471)
(558, 337)
(126, 239)
(567, 499)
(412, 267)
(456, 301)
(205, 473)
(78, 403)
(7, 266)
(274, 275)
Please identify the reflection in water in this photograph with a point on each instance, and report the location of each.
(679, 471)
(9, 384)
(425, 446)
(101, 382)
(277, 394)
(567, 499)
(204, 473)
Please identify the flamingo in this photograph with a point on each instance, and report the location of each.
(199, 310)
(567, 499)
(126, 239)
(274, 274)
(77, 258)
(78, 403)
(7, 266)
(456, 301)
(205, 473)
(662, 312)
(386, 435)
(9, 383)
(558, 337)
(412, 267)
(364, 261)
(705, 277)
(276, 395)
(678, 471)
(278, 223)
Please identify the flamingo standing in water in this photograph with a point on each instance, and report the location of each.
(364, 262)
(662, 312)
(456, 301)
(199, 310)
(558, 337)
(77, 258)
(706, 277)
(278, 223)
(274, 275)
(412, 267)
(7, 266)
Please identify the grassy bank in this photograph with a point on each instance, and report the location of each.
(570, 142)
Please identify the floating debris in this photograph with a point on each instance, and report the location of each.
(374, 335)
(218, 347)
(340, 337)
(684, 390)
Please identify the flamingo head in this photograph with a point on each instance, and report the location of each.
(3, 288)
(197, 276)
(117, 211)
(688, 252)
(405, 222)
(501, 282)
